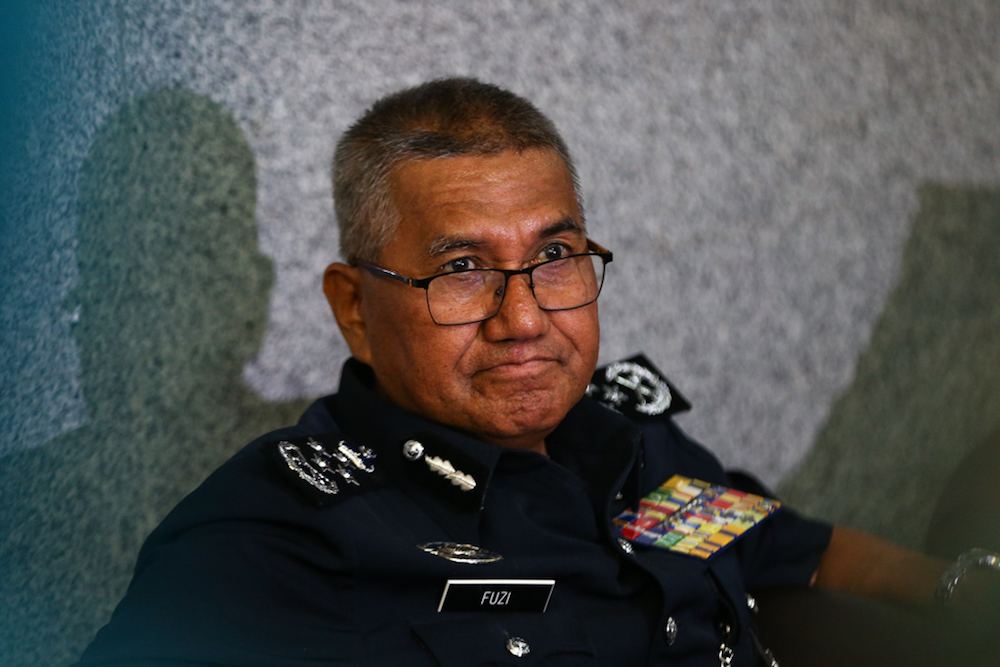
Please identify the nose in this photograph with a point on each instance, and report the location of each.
(519, 317)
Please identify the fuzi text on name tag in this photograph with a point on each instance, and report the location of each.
(521, 595)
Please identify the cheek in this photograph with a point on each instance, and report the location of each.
(417, 352)
(388, 328)
(443, 350)
(583, 329)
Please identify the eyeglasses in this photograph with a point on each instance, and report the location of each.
(464, 297)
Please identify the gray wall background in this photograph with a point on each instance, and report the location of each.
(802, 199)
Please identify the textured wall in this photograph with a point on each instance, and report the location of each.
(927, 388)
(800, 197)
(172, 295)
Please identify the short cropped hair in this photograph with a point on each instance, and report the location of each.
(442, 118)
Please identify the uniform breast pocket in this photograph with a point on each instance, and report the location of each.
(474, 639)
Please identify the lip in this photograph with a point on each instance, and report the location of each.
(520, 369)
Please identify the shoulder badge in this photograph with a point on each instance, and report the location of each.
(324, 467)
(637, 389)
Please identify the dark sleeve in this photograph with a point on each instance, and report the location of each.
(224, 595)
(784, 550)
(235, 576)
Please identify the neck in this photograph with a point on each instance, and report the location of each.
(529, 443)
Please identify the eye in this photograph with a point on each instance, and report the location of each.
(554, 251)
(459, 264)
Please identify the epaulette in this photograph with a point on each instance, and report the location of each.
(637, 389)
(325, 468)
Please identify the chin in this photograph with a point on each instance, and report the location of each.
(530, 417)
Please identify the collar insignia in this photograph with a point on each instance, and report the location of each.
(437, 464)
(635, 388)
(444, 468)
(460, 553)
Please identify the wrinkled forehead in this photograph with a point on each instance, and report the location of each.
(478, 199)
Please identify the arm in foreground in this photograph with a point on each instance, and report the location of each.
(863, 564)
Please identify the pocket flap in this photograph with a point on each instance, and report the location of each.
(475, 639)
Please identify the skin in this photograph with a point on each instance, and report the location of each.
(508, 380)
(863, 564)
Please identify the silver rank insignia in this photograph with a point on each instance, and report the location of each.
(329, 469)
(651, 393)
(634, 387)
(460, 553)
(442, 466)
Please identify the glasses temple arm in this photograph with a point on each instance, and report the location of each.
(386, 273)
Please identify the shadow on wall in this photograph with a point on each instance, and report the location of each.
(172, 300)
(927, 389)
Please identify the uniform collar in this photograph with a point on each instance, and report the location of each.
(364, 416)
(592, 442)
(602, 447)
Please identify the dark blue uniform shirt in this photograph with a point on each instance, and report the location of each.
(260, 566)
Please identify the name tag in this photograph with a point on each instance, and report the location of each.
(521, 595)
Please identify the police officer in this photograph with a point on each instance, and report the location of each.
(461, 499)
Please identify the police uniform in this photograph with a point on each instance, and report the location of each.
(366, 535)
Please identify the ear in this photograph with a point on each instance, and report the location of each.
(342, 285)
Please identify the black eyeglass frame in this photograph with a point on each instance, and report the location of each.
(606, 256)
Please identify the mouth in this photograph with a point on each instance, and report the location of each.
(526, 368)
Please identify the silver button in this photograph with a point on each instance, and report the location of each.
(619, 496)
(752, 603)
(413, 449)
(518, 647)
(625, 545)
(671, 631)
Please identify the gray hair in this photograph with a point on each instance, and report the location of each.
(442, 118)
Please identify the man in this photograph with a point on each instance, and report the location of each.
(453, 503)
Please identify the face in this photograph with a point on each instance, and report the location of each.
(512, 378)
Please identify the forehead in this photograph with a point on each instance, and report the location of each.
(485, 200)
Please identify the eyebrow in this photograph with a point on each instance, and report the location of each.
(447, 244)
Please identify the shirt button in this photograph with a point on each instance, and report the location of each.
(619, 496)
(752, 603)
(670, 630)
(518, 647)
(625, 545)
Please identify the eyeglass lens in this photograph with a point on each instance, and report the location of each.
(471, 296)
